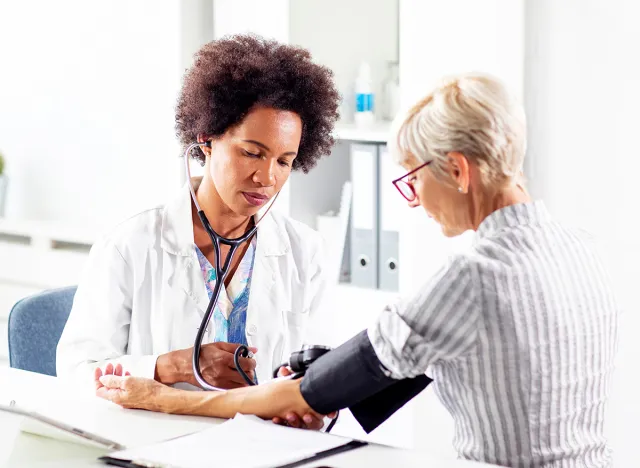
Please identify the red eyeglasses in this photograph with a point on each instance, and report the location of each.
(405, 187)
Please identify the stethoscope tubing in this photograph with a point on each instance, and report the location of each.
(222, 271)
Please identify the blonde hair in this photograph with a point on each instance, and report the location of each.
(474, 115)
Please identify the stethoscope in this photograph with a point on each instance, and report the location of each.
(221, 274)
(299, 360)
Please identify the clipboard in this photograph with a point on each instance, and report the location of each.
(352, 445)
(65, 430)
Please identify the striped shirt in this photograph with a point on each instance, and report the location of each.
(519, 334)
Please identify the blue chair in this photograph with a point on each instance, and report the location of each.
(35, 326)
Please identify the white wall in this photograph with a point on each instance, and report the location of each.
(269, 19)
(87, 99)
(196, 28)
(582, 103)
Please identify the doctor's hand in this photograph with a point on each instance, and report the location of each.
(216, 365)
(129, 392)
(277, 400)
(309, 420)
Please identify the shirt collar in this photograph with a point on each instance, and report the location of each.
(177, 227)
(520, 214)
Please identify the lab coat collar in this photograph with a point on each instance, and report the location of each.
(177, 239)
(177, 228)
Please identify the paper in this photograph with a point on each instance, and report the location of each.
(242, 442)
(9, 431)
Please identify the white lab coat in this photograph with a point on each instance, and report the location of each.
(143, 294)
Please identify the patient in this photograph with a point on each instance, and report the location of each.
(267, 110)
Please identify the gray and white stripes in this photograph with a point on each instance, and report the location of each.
(519, 334)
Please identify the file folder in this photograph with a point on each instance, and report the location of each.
(364, 216)
(392, 205)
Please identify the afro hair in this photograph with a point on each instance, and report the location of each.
(232, 75)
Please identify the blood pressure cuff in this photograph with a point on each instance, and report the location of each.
(351, 376)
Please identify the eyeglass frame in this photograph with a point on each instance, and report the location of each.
(409, 184)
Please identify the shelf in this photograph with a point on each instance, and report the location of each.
(376, 133)
(47, 233)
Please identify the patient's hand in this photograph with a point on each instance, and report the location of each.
(129, 392)
(308, 420)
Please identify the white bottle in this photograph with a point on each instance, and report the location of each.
(391, 91)
(364, 97)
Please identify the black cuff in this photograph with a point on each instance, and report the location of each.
(344, 376)
(352, 376)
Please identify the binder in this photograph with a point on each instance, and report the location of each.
(334, 228)
(364, 216)
(392, 205)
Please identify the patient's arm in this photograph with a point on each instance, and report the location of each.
(270, 400)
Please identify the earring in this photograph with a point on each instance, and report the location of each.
(460, 189)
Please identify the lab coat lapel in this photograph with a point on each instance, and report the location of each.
(192, 283)
(263, 311)
(177, 240)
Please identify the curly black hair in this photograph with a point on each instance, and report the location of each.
(236, 73)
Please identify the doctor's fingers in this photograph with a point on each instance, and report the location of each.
(284, 371)
(247, 364)
(226, 377)
(211, 354)
(234, 376)
(308, 421)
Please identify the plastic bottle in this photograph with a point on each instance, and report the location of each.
(391, 89)
(364, 96)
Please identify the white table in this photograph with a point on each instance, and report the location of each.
(42, 392)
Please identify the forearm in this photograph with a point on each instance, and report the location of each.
(211, 404)
(266, 401)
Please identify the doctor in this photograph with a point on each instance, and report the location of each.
(267, 109)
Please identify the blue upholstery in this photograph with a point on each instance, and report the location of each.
(35, 326)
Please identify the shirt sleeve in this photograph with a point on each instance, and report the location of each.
(439, 323)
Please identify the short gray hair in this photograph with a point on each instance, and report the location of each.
(474, 115)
